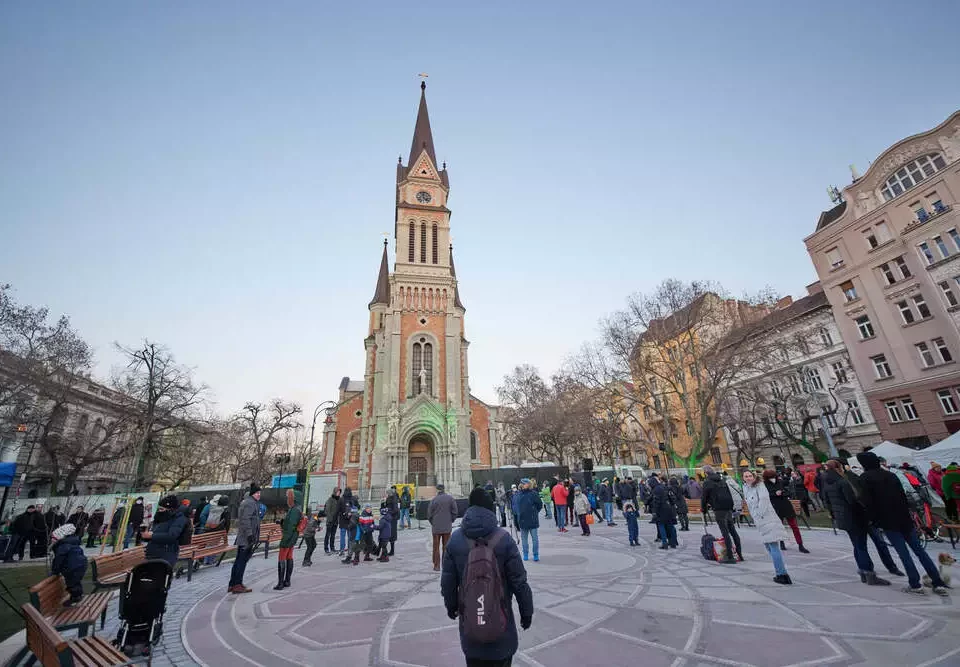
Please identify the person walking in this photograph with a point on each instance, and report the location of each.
(840, 499)
(717, 496)
(385, 530)
(560, 495)
(288, 540)
(581, 508)
(441, 515)
(134, 522)
(95, 526)
(676, 496)
(529, 505)
(664, 514)
(310, 538)
(783, 507)
(545, 499)
(950, 486)
(605, 497)
(248, 535)
(169, 523)
(571, 514)
(21, 534)
(393, 504)
(405, 502)
(810, 484)
(115, 522)
(347, 503)
(767, 521)
(887, 507)
(482, 574)
(331, 515)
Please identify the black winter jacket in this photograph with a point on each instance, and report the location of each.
(165, 541)
(841, 499)
(604, 495)
(480, 522)
(781, 504)
(716, 494)
(661, 506)
(885, 500)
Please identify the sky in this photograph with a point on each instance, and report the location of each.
(217, 176)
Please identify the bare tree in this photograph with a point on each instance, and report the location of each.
(161, 394)
(185, 457)
(262, 426)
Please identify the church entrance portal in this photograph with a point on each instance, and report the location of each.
(420, 469)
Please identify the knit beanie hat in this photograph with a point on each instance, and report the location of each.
(481, 498)
(169, 502)
(63, 531)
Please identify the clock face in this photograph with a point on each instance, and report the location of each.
(424, 197)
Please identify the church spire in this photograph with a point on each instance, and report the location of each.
(456, 289)
(422, 136)
(382, 294)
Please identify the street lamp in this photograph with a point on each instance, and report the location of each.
(281, 460)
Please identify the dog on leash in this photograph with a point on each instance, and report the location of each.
(946, 562)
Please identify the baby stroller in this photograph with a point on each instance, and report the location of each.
(143, 599)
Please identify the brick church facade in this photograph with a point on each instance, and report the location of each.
(412, 418)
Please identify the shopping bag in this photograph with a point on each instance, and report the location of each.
(589, 519)
(719, 549)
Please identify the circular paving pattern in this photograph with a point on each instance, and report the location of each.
(595, 597)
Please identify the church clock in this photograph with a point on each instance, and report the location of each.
(424, 197)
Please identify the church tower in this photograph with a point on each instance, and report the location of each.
(414, 420)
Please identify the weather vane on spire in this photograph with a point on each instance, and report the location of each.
(423, 83)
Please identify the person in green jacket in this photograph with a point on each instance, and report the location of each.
(545, 498)
(951, 490)
(288, 540)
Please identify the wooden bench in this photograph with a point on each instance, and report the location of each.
(269, 532)
(201, 546)
(52, 650)
(694, 510)
(111, 569)
(48, 597)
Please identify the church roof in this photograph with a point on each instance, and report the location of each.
(422, 136)
(456, 290)
(382, 293)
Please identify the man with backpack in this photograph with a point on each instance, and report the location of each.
(717, 496)
(482, 573)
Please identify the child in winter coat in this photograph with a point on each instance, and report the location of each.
(310, 537)
(353, 524)
(386, 531)
(69, 561)
(581, 507)
(364, 535)
(633, 530)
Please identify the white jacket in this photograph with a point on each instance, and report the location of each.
(581, 504)
(761, 509)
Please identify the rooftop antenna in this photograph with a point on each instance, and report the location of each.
(834, 194)
(854, 173)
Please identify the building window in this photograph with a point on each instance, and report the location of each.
(887, 273)
(948, 294)
(881, 367)
(902, 265)
(853, 409)
(954, 237)
(849, 291)
(926, 254)
(926, 356)
(422, 360)
(775, 389)
(795, 383)
(941, 246)
(825, 337)
(423, 243)
(893, 412)
(411, 241)
(864, 327)
(947, 402)
(715, 456)
(82, 423)
(905, 313)
(922, 307)
(909, 411)
(839, 372)
(833, 256)
(911, 174)
(354, 448)
(474, 447)
(942, 350)
(871, 239)
(813, 380)
(830, 418)
(436, 255)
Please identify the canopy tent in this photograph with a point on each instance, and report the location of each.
(894, 454)
(944, 452)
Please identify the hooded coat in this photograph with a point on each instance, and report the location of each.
(347, 502)
(164, 543)
(248, 523)
(661, 506)
(781, 503)
(68, 557)
(673, 488)
(716, 494)
(529, 505)
(386, 525)
(291, 521)
(441, 513)
(883, 496)
(764, 515)
(331, 510)
(479, 522)
(841, 499)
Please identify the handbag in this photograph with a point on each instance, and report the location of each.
(589, 519)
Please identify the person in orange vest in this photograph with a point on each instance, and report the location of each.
(810, 484)
(560, 494)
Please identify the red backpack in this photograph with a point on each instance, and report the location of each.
(481, 597)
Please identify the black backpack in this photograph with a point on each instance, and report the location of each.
(481, 596)
(706, 547)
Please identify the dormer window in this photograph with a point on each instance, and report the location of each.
(911, 174)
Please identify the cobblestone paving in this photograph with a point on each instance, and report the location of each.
(596, 597)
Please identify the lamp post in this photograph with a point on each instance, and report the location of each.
(316, 413)
(281, 460)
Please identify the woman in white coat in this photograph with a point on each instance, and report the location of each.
(768, 523)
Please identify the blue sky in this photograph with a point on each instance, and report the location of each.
(216, 176)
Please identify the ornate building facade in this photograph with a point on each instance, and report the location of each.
(412, 419)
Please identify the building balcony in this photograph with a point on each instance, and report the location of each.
(924, 216)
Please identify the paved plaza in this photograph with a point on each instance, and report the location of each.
(598, 601)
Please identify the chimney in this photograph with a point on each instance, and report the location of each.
(814, 288)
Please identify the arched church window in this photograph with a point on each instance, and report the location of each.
(474, 447)
(436, 256)
(422, 361)
(423, 243)
(354, 448)
(411, 242)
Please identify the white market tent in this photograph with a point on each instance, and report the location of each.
(895, 454)
(943, 452)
